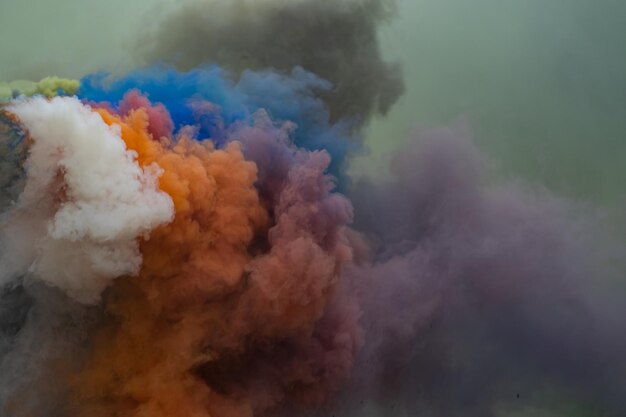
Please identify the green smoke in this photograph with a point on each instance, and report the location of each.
(48, 87)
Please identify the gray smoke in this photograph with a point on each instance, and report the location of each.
(335, 39)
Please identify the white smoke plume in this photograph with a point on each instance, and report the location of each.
(85, 203)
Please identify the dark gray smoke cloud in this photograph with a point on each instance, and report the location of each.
(484, 299)
(335, 39)
(43, 335)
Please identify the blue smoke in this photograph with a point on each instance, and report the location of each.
(289, 97)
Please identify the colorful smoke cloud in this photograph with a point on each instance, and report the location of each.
(185, 239)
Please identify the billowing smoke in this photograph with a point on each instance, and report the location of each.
(228, 308)
(496, 296)
(85, 202)
(185, 240)
(48, 87)
(335, 39)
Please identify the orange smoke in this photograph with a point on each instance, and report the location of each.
(230, 313)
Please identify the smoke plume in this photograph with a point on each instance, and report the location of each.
(336, 40)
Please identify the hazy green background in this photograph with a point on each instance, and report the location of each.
(70, 37)
(542, 83)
